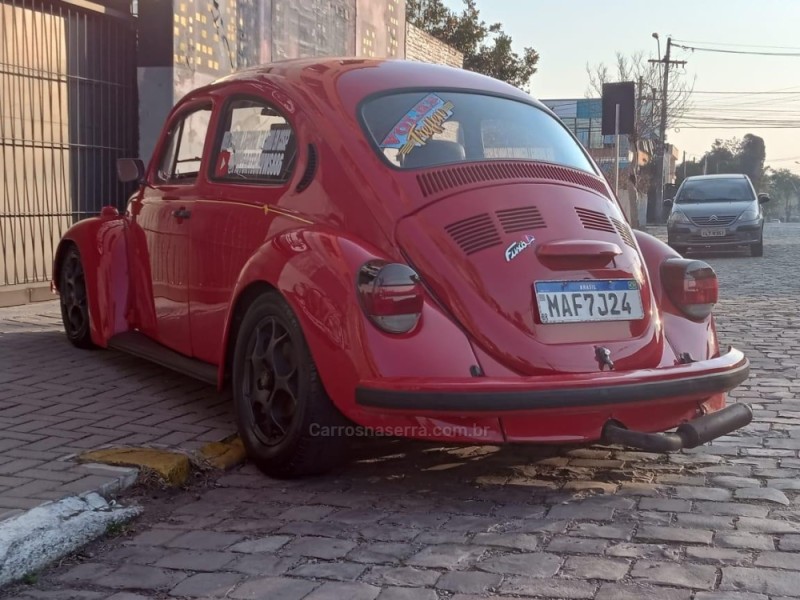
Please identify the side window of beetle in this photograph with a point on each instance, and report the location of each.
(183, 154)
(256, 144)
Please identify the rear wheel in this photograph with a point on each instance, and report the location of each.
(288, 424)
(757, 249)
(73, 299)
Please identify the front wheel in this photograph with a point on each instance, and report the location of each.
(757, 249)
(289, 426)
(73, 300)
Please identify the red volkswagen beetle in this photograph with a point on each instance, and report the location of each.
(399, 248)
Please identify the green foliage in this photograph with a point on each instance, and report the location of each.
(784, 190)
(30, 578)
(730, 156)
(486, 48)
(748, 156)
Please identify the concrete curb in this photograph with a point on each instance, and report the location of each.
(48, 532)
(173, 467)
(36, 538)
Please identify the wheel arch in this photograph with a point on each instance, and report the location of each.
(102, 246)
(315, 271)
(61, 251)
(241, 304)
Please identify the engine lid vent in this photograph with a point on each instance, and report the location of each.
(454, 176)
(475, 233)
(624, 232)
(593, 219)
(520, 219)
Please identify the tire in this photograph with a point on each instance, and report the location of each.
(757, 249)
(73, 300)
(288, 424)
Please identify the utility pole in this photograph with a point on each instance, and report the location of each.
(667, 62)
(633, 180)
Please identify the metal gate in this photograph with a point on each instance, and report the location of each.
(68, 110)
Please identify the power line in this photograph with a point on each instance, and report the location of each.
(762, 92)
(747, 52)
(732, 127)
(737, 45)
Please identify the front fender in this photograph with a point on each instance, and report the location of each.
(102, 244)
(699, 339)
(315, 270)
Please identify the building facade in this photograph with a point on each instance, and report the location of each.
(423, 47)
(207, 40)
(583, 117)
(87, 82)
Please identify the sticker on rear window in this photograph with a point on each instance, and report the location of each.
(419, 124)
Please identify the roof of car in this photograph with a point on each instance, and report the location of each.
(719, 176)
(355, 78)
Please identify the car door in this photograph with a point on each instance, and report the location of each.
(164, 220)
(250, 165)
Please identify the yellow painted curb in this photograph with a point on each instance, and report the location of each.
(172, 467)
(223, 455)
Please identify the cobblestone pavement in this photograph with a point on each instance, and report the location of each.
(57, 401)
(419, 521)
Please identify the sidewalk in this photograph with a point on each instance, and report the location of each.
(57, 401)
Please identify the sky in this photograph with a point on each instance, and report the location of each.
(569, 34)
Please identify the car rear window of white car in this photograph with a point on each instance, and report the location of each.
(430, 128)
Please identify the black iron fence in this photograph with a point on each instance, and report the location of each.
(68, 110)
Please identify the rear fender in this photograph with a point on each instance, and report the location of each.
(699, 339)
(315, 270)
(102, 244)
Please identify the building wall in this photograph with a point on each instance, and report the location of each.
(380, 28)
(423, 47)
(194, 42)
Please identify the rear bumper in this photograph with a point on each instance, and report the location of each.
(481, 395)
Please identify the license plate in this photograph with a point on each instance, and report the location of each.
(712, 232)
(589, 300)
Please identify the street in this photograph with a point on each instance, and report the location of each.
(408, 520)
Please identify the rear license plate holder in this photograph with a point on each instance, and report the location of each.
(588, 301)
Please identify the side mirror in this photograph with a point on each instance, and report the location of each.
(762, 198)
(130, 169)
(668, 202)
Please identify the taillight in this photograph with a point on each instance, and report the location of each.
(691, 285)
(391, 295)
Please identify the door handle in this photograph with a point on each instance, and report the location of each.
(182, 213)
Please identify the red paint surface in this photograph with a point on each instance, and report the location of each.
(179, 280)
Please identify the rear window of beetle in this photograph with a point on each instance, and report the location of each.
(425, 129)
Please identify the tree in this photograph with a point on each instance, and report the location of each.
(784, 189)
(647, 77)
(486, 48)
(730, 156)
(752, 152)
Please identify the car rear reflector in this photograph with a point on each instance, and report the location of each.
(691, 285)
